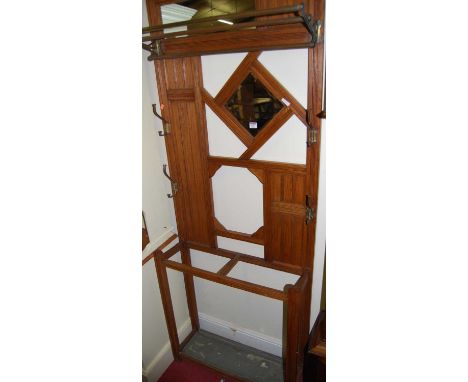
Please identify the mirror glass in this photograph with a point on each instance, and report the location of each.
(197, 9)
(253, 105)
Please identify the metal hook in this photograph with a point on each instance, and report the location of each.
(314, 28)
(166, 125)
(174, 185)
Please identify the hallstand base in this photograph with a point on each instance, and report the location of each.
(234, 358)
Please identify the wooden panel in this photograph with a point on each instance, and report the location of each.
(181, 95)
(288, 208)
(276, 37)
(179, 82)
(285, 228)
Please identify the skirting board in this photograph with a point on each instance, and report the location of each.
(163, 359)
(244, 336)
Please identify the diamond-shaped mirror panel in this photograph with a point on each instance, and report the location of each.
(253, 105)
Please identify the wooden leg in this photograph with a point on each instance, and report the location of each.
(290, 347)
(161, 272)
(190, 290)
(307, 301)
(295, 328)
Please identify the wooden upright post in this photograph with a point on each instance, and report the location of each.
(295, 330)
(190, 289)
(290, 345)
(161, 272)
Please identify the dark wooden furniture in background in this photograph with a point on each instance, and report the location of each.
(315, 357)
(145, 237)
(289, 190)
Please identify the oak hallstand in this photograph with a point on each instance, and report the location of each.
(289, 190)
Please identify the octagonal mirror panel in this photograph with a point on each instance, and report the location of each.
(253, 105)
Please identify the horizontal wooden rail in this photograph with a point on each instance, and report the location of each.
(224, 28)
(251, 163)
(228, 281)
(247, 258)
(256, 237)
(171, 252)
(258, 44)
(159, 249)
(228, 266)
(239, 236)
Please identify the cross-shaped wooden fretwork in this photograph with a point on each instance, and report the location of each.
(250, 64)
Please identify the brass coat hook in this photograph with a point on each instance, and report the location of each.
(174, 185)
(166, 124)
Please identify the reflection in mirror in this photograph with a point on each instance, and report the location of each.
(197, 9)
(253, 105)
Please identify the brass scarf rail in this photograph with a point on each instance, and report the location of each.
(232, 16)
(224, 28)
(157, 35)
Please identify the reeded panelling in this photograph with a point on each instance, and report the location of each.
(218, 68)
(238, 199)
(193, 196)
(290, 68)
(286, 232)
(187, 148)
(222, 141)
(288, 144)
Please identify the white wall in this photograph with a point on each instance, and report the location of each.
(160, 219)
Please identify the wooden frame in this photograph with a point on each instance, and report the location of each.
(284, 27)
(181, 90)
